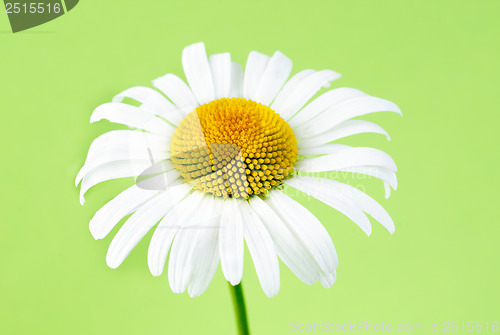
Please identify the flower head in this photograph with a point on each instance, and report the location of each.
(212, 158)
(234, 148)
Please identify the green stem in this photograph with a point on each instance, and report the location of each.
(239, 309)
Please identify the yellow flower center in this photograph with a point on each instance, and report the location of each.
(234, 148)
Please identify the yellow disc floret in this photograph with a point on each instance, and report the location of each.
(234, 148)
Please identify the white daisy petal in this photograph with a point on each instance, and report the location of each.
(118, 155)
(387, 189)
(328, 279)
(117, 170)
(166, 231)
(323, 102)
(220, 64)
(188, 109)
(333, 198)
(324, 149)
(231, 241)
(160, 245)
(159, 167)
(123, 145)
(386, 175)
(114, 159)
(262, 250)
(113, 138)
(151, 101)
(176, 90)
(289, 246)
(347, 158)
(198, 73)
(112, 212)
(145, 217)
(255, 67)
(158, 182)
(131, 116)
(236, 90)
(205, 258)
(296, 93)
(344, 129)
(273, 78)
(349, 109)
(180, 263)
(365, 202)
(325, 189)
(109, 171)
(290, 86)
(304, 224)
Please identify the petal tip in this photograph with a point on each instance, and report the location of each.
(112, 264)
(96, 233)
(235, 282)
(155, 272)
(194, 45)
(95, 117)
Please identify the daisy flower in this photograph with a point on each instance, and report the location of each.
(215, 158)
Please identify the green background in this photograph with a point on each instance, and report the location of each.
(438, 60)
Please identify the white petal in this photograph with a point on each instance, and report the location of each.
(348, 109)
(290, 86)
(180, 264)
(291, 249)
(328, 279)
(188, 109)
(160, 245)
(318, 189)
(151, 101)
(166, 231)
(112, 170)
(130, 116)
(176, 90)
(366, 203)
(133, 138)
(386, 175)
(344, 129)
(347, 158)
(231, 241)
(323, 102)
(387, 189)
(273, 78)
(198, 73)
(220, 64)
(123, 145)
(115, 159)
(146, 216)
(255, 67)
(305, 225)
(205, 258)
(324, 149)
(296, 93)
(324, 189)
(123, 169)
(112, 212)
(262, 250)
(236, 81)
(158, 176)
